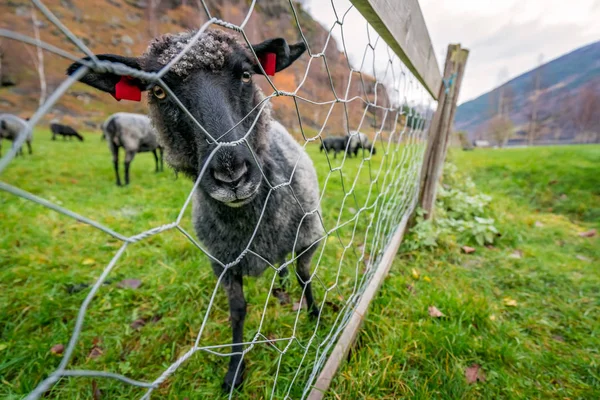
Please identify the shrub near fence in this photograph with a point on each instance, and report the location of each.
(365, 206)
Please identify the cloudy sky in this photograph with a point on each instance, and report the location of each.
(506, 38)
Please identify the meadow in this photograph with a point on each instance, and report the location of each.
(150, 308)
(521, 317)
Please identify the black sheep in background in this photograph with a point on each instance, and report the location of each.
(337, 144)
(64, 131)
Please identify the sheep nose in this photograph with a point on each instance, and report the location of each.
(230, 176)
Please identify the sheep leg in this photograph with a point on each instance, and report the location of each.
(115, 153)
(233, 285)
(155, 160)
(29, 147)
(304, 279)
(162, 165)
(53, 136)
(128, 159)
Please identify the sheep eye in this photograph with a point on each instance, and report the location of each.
(246, 76)
(159, 92)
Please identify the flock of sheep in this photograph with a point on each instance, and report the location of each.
(133, 132)
(240, 168)
(350, 143)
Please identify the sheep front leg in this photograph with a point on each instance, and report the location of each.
(128, 159)
(29, 147)
(155, 160)
(233, 285)
(115, 153)
(162, 166)
(303, 276)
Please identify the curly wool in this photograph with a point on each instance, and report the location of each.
(208, 52)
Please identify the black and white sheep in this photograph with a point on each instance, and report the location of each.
(242, 233)
(336, 143)
(64, 131)
(359, 140)
(135, 134)
(10, 126)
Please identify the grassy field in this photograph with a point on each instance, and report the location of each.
(48, 261)
(526, 310)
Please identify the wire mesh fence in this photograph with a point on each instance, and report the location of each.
(364, 192)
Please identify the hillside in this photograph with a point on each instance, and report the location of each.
(561, 83)
(126, 26)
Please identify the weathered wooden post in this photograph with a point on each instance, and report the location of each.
(441, 126)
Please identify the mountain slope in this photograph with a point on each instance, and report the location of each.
(560, 79)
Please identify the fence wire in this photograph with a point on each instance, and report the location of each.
(391, 193)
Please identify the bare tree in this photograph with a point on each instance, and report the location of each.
(534, 129)
(38, 58)
(584, 113)
(500, 126)
(500, 129)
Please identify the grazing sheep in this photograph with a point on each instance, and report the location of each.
(359, 140)
(135, 133)
(242, 233)
(10, 126)
(337, 144)
(65, 131)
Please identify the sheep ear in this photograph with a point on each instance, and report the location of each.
(107, 81)
(285, 54)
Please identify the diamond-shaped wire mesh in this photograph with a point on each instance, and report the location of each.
(363, 199)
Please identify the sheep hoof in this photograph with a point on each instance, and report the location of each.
(314, 313)
(229, 382)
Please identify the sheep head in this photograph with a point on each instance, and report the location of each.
(213, 81)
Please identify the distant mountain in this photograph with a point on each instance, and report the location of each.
(561, 81)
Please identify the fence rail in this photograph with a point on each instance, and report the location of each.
(388, 190)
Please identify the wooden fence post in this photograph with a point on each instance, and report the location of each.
(441, 126)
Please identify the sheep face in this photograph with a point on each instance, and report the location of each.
(213, 81)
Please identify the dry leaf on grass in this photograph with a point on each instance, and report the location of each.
(474, 373)
(510, 302)
(516, 254)
(558, 338)
(57, 349)
(590, 233)
(415, 274)
(95, 352)
(434, 312)
(468, 250)
(130, 283)
(582, 258)
(96, 393)
(89, 261)
(281, 295)
(138, 324)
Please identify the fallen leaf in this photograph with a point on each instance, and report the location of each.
(297, 305)
(410, 288)
(89, 261)
(281, 295)
(538, 224)
(427, 279)
(434, 312)
(96, 393)
(95, 352)
(553, 182)
(492, 317)
(415, 274)
(510, 302)
(582, 258)
(558, 338)
(130, 283)
(474, 373)
(137, 324)
(57, 349)
(516, 254)
(468, 250)
(563, 196)
(74, 181)
(156, 318)
(590, 233)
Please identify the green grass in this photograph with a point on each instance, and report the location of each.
(545, 346)
(44, 254)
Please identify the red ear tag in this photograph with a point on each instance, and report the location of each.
(268, 62)
(125, 89)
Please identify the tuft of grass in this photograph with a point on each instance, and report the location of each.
(527, 310)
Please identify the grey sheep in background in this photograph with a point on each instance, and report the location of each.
(336, 143)
(10, 126)
(359, 140)
(214, 81)
(134, 133)
(64, 131)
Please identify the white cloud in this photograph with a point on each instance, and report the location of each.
(502, 35)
